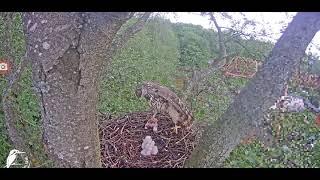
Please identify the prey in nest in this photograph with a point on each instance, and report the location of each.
(121, 141)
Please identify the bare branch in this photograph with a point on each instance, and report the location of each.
(236, 32)
(122, 39)
(222, 47)
(216, 66)
(244, 47)
(199, 76)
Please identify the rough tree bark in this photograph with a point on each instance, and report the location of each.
(122, 39)
(67, 51)
(247, 110)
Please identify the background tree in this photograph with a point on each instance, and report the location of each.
(143, 58)
(246, 112)
(231, 41)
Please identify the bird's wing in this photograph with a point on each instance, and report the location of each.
(171, 97)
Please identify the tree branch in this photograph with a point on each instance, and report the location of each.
(248, 108)
(200, 75)
(239, 32)
(244, 47)
(222, 47)
(120, 40)
(123, 38)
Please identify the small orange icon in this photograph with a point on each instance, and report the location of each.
(4, 67)
(317, 121)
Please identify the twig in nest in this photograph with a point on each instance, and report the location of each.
(183, 137)
(129, 139)
(122, 128)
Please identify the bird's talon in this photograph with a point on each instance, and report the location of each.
(153, 123)
(175, 128)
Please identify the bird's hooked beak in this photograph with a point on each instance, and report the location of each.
(138, 92)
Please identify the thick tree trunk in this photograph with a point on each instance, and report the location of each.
(67, 51)
(248, 108)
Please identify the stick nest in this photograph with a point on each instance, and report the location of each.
(121, 141)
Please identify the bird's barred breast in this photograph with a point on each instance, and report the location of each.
(165, 94)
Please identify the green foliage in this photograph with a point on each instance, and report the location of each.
(29, 120)
(197, 47)
(151, 55)
(25, 102)
(155, 54)
(253, 49)
(5, 146)
(312, 64)
(194, 47)
(13, 35)
(251, 156)
(210, 105)
(290, 151)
